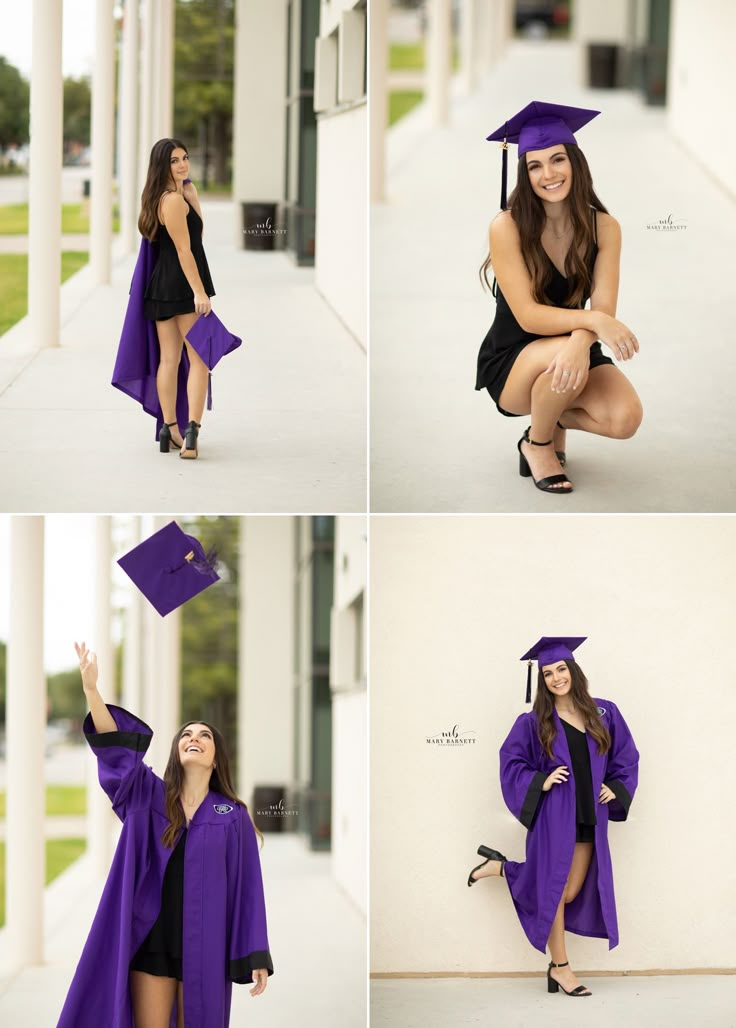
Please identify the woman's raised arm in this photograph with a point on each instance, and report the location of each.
(101, 716)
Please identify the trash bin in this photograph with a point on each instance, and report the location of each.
(268, 799)
(602, 65)
(259, 225)
(85, 188)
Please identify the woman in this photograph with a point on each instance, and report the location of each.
(566, 882)
(170, 289)
(182, 915)
(552, 250)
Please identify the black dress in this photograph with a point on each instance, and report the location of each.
(168, 292)
(506, 338)
(160, 953)
(585, 819)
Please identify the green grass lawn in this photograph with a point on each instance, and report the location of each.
(14, 282)
(60, 799)
(60, 853)
(406, 56)
(400, 102)
(14, 219)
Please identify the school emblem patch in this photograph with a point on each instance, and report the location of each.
(601, 710)
(222, 808)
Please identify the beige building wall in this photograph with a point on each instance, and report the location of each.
(259, 112)
(341, 241)
(455, 601)
(701, 82)
(348, 680)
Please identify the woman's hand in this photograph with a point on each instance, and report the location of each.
(619, 339)
(260, 977)
(560, 774)
(202, 303)
(570, 363)
(88, 667)
(606, 795)
(189, 190)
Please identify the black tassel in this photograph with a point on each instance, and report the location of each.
(504, 166)
(528, 681)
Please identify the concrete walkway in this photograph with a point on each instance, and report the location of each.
(287, 429)
(439, 446)
(661, 1001)
(317, 939)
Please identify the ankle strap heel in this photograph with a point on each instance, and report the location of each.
(164, 436)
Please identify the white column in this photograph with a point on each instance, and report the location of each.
(170, 677)
(133, 639)
(44, 190)
(25, 730)
(162, 673)
(128, 156)
(103, 117)
(378, 90)
(266, 652)
(146, 96)
(468, 29)
(99, 814)
(439, 38)
(165, 69)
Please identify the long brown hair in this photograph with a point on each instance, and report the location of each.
(544, 704)
(220, 781)
(158, 180)
(527, 210)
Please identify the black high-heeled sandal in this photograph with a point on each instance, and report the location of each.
(190, 449)
(560, 454)
(547, 485)
(553, 985)
(164, 436)
(489, 854)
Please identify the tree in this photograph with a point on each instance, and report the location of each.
(14, 106)
(203, 80)
(209, 633)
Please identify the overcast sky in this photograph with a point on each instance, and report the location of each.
(69, 577)
(78, 35)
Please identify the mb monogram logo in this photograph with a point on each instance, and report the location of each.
(222, 808)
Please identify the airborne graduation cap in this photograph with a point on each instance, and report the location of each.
(170, 568)
(549, 650)
(536, 127)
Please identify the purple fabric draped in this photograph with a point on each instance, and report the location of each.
(536, 885)
(224, 926)
(137, 359)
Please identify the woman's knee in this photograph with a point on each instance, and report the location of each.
(624, 421)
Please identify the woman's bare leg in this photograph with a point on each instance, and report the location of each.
(198, 371)
(152, 998)
(556, 942)
(608, 405)
(180, 1005)
(529, 390)
(170, 343)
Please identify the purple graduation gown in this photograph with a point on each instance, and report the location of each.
(224, 928)
(536, 885)
(138, 353)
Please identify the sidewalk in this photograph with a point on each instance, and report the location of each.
(287, 429)
(439, 446)
(317, 939)
(658, 1001)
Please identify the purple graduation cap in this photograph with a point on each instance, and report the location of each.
(538, 126)
(170, 567)
(548, 650)
(209, 337)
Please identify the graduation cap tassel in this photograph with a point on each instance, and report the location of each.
(528, 681)
(504, 168)
(209, 390)
(207, 564)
